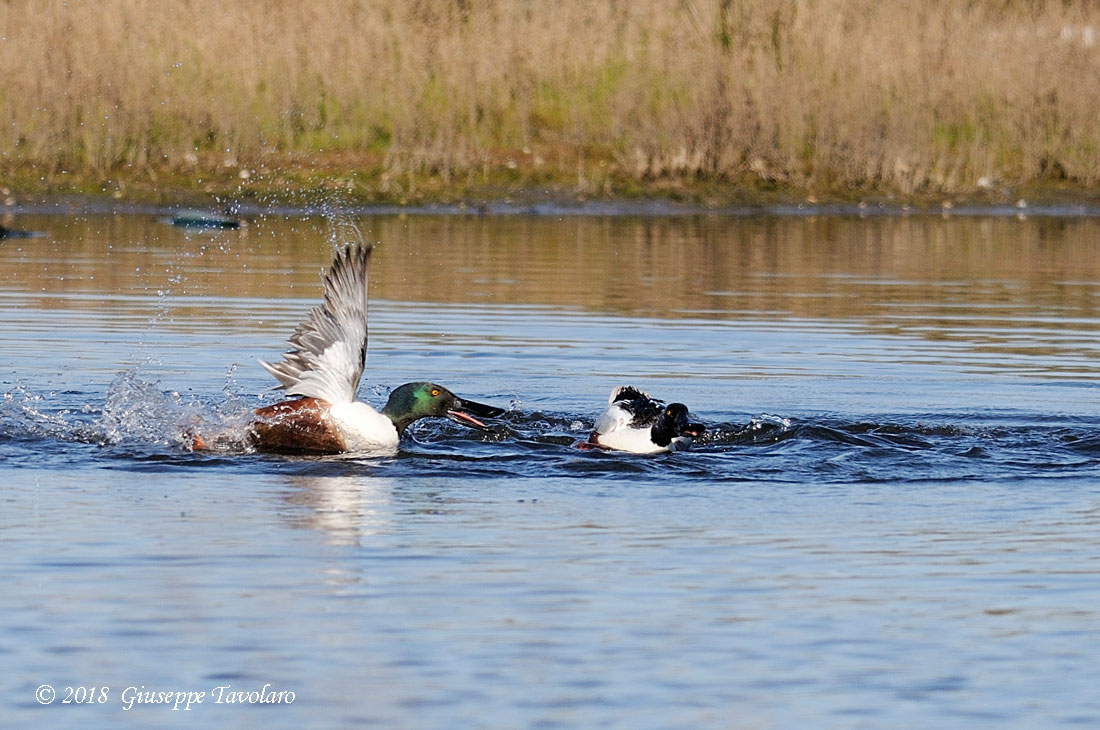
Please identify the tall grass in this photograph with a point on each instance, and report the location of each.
(915, 96)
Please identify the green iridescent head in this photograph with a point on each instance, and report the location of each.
(413, 401)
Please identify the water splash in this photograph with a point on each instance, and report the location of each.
(136, 410)
(140, 420)
(342, 229)
(28, 415)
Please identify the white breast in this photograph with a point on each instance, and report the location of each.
(639, 441)
(636, 440)
(364, 429)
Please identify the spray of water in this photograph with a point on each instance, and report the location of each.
(136, 410)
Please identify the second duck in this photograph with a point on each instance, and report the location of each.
(637, 423)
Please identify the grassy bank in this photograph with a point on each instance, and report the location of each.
(709, 99)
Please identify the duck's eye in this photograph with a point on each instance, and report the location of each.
(435, 392)
(668, 412)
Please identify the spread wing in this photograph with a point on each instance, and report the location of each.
(330, 346)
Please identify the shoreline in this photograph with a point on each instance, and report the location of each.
(541, 204)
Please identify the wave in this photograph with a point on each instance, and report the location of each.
(139, 425)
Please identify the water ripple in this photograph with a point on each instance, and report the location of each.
(139, 427)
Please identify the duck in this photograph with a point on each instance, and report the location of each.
(17, 233)
(640, 424)
(195, 218)
(323, 369)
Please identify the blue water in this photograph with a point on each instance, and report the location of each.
(891, 523)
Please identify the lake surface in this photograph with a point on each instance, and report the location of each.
(892, 522)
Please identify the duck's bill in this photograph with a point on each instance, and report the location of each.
(693, 429)
(464, 412)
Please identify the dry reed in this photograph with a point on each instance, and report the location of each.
(915, 96)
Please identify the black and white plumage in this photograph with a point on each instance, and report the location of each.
(638, 423)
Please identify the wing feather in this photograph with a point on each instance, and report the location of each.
(329, 348)
(628, 407)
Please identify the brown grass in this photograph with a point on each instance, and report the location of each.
(915, 97)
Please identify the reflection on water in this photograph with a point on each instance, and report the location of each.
(997, 293)
(933, 270)
(890, 523)
(1004, 290)
(344, 508)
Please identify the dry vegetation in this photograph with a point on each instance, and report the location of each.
(825, 96)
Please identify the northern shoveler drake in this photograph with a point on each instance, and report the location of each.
(324, 368)
(640, 424)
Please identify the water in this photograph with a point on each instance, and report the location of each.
(892, 522)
